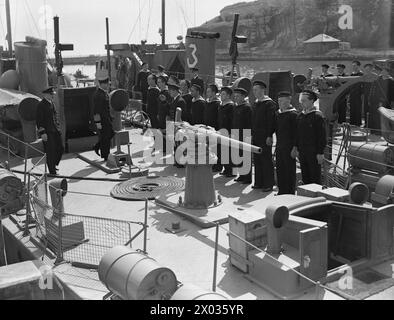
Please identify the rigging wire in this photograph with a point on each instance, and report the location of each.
(2, 26)
(149, 18)
(179, 15)
(135, 24)
(195, 23)
(32, 17)
(46, 22)
(28, 20)
(139, 16)
(182, 10)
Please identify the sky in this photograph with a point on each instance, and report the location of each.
(82, 22)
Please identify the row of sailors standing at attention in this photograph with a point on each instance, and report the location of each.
(298, 135)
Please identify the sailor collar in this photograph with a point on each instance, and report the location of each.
(214, 99)
(198, 99)
(287, 111)
(225, 103)
(265, 99)
(310, 111)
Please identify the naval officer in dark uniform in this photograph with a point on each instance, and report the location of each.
(286, 131)
(152, 99)
(242, 120)
(311, 139)
(103, 119)
(49, 130)
(225, 123)
(142, 83)
(263, 127)
(164, 102)
(177, 100)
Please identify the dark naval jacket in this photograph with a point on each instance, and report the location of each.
(178, 102)
(242, 118)
(225, 116)
(101, 107)
(211, 113)
(187, 114)
(263, 123)
(197, 112)
(311, 133)
(164, 108)
(152, 107)
(286, 129)
(47, 121)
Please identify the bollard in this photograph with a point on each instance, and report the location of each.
(277, 218)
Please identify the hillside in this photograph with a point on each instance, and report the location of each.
(281, 26)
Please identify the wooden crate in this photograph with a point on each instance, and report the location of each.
(250, 226)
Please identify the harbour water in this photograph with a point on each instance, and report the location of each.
(249, 68)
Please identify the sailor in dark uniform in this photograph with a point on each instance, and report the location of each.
(142, 84)
(225, 123)
(177, 102)
(355, 97)
(311, 139)
(342, 104)
(211, 116)
(212, 107)
(198, 105)
(103, 119)
(49, 130)
(164, 102)
(186, 95)
(286, 132)
(197, 80)
(152, 100)
(263, 127)
(242, 120)
(325, 71)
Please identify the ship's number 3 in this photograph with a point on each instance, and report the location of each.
(194, 56)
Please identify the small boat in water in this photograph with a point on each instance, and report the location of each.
(79, 75)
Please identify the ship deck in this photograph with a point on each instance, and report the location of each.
(190, 253)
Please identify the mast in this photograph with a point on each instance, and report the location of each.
(163, 22)
(108, 53)
(9, 35)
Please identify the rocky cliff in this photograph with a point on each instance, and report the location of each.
(283, 25)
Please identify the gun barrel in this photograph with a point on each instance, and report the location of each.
(223, 140)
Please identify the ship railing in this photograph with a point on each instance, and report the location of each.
(80, 239)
